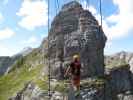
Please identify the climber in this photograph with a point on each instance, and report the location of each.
(74, 71)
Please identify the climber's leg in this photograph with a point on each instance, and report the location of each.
(77, 85)
(73, 85)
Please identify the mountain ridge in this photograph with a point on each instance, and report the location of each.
(7, 61)
(28, 78)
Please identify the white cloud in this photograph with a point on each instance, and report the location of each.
(89, 7)
(125, 6)
(6, 33)
(120, 23)
(84, 5)
(31, 40)
(8, 50)
(5, 2)
(4, 51)
(108, 46)
(1, 17)
(33, 13)
(92, 9)
(44, 35)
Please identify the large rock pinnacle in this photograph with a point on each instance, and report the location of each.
(75, 30)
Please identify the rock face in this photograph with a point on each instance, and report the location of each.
(30, 92)
(120, 69)
(75, 31)
(117, 85)
(120, 83)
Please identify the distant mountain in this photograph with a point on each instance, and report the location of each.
(30, 66)
(27, 78)
(6, 62)
(25, 51)
(119, 59)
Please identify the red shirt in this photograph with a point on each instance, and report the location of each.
(75, 68)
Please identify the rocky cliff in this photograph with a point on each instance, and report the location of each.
(120, 82)
(76, 31)
(116, 85)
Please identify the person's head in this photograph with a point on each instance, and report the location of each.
(76, 57)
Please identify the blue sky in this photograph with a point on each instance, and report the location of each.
(23, 23)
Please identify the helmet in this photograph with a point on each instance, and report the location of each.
(76, 56)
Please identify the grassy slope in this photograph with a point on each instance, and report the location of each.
(116, 63)
(20, 75)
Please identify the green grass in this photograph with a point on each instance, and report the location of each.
(42, 84)
(96, 82)
(61, 87)
(116, 64)
(20, 75)
(14, 81)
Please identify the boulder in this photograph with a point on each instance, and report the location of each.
(120, 82)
